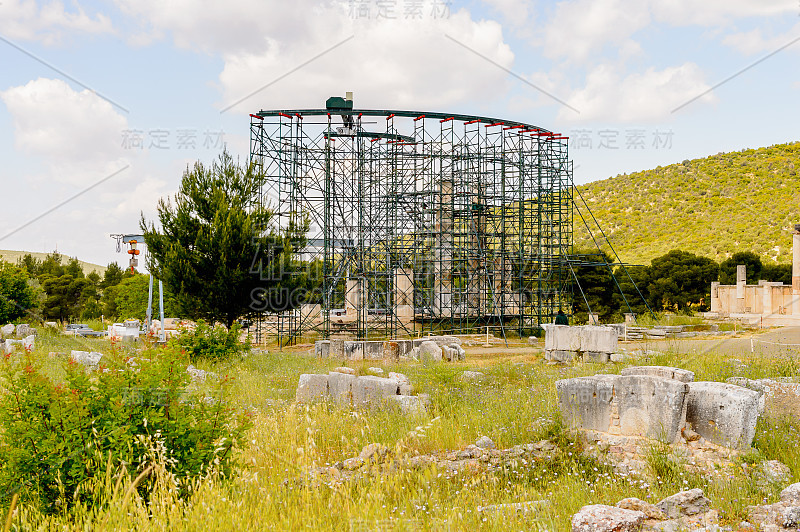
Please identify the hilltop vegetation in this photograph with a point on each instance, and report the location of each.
(714, 207)
(14, 256)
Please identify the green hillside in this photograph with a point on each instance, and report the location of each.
(14, 256)
(729, 202)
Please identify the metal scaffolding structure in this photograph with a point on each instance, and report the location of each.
(420, 220)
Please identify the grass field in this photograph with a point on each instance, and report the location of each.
(272, 488)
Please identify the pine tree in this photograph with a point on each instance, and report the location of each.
(215, 250)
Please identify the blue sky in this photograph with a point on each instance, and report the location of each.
(91, 88)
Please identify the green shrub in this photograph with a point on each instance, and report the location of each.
(59, 437)
(211, 342)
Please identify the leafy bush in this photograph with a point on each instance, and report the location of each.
(59, 437)
(211, 342)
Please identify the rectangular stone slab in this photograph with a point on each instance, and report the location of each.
(724, 414)
(372, 391)
(340, 388)
(562, 338)
(651, 407)
(667, 372)
(585, 402)
(598, 339)
(312, 387)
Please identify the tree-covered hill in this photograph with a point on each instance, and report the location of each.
(717, 206)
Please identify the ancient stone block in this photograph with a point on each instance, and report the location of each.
(410, 405)
(340, 388)
(563, 357)
(725, 414)
(7, 330)
(90, 359)
(322, 348)
(353, 350)
(598, 339)
(650, 406)
(337, 348)
(373, 350)
(585, 402)
(312, 387)
(404, 347)
(391, 350)
(602, 518)
(562, 338)
(593, 356)
(373, 391)
(684, 503)
(778, 400)
(683, 375)
(430, 351)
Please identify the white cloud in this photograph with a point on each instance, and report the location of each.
(581, 29)
(639, 97)
(718, 12)
(389, 64)
(754, 41)
(78, 134)
(234, 26)
(48, 22)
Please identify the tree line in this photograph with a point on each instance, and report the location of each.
(56, 288)
(678, 281)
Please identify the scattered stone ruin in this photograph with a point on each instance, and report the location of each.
(22, 335)
(344, 389)
(426, 349)
(661, 403)
(592, 343)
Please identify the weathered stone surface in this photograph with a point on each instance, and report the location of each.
(778, 400)
(791, 493)
(23, 330)
(790, 518)
(198, 375)
(340, 388)
(410, 405)
(391, 350)
(337, 348)
(373, 391)
(725, 414)
(401, 378)
(585, 402)
(29, 342)
(598, 339)
(90, 359)
(485, 442)
(650, 510)
(430, 352)
(617, 357)
(7, 330)
(562, 357)
(441, 341)
(322, 348)
(353, 350)
(602, 518)
(666, 372)
(689, 502)
(596, 357)
(473, 376)
(650, 406)
(703, 522)
(375, 371)
(773, 472)
(373, 350)
(343, 369)
(562, 338)
(312, 387)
